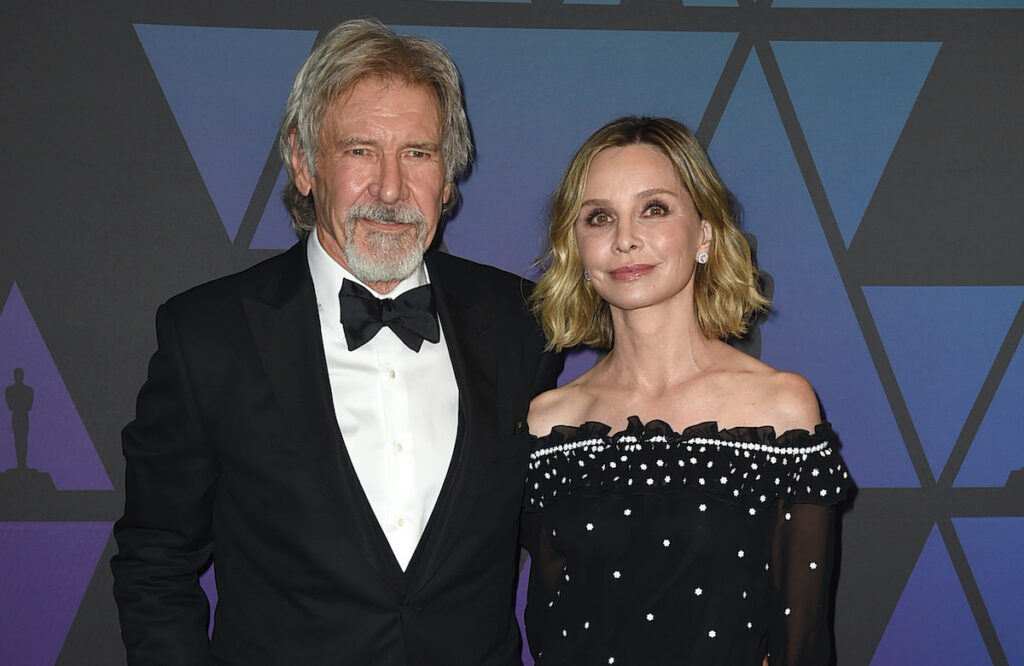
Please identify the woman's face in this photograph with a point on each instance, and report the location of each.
(638, 231)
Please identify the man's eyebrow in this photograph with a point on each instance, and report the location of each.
(426, 146)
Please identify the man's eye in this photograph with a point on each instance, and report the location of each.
(357, 152)
(418, 154)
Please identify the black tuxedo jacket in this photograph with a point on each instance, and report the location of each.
(235, 454)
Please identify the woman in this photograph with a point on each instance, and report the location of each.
(667, 520)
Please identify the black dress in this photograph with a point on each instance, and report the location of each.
(704, 547)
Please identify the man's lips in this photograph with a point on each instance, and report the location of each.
(631, 272)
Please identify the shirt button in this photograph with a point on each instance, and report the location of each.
(391, 374)
(401, 522)
(398, 447)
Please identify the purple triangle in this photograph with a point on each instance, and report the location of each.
(932, 623)
(275, 230)
(812, 329)
(208, 581)
(227, 88)
(58, 443)
(524, 584)
(45, 569)
(995, 549)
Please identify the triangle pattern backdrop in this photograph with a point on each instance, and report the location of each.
(940, 369)
(995, 549)
(227, 88)
(998, 447)
(932, 623)
(812, 329)
(853, 99)
(45, 569)
(58, 443)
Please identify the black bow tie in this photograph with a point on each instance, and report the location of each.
(411, 316)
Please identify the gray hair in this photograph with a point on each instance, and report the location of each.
(352, 51)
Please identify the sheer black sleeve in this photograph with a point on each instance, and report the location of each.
(802, 555)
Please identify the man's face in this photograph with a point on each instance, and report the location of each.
(380, 179)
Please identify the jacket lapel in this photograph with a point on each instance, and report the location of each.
(284, 322)
(467, 316)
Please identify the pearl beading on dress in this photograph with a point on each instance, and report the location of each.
(741, 469)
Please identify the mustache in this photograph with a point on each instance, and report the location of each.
(379, 211)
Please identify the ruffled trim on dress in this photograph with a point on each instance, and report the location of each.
(743, 465)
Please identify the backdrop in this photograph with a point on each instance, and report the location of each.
(875, 146)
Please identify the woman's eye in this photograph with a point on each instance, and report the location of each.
(656, 210)
(598, 218)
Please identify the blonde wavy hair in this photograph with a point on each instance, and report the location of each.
(726, 288)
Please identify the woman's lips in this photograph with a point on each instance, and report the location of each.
(632, 271)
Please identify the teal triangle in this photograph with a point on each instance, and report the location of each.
(58, 445)
(519, 85)
(995, 550)
(932, 623)
(227, 89)
(275, 231)
(941, 342)
(998, 447)
(853, 100)
(812, 329)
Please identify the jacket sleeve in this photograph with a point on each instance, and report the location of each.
(165, 537)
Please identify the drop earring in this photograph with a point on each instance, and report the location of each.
(586, 275)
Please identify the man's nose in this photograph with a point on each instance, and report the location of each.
(390, 183)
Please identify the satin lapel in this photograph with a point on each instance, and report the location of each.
(467, 315)
(286, 328)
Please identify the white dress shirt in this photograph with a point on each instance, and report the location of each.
(397, 409)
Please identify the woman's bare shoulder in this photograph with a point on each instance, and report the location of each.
(565, 405)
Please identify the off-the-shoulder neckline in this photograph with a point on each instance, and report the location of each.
(636, 427)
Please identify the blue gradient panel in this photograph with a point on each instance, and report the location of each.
(45, 569)
(932, 623)
(940, 368)
(274, 231)
(995, 549)
(998, 447)
(58, 443)
(227, 88)
(710, 3)
(853, 99)
(590, 2)
(534, 96)
(812, 329)
(903, 4)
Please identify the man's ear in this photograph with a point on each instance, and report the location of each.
(303, 179)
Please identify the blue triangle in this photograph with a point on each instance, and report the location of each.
(227, 88)
(995, 549)
(941, 342)
(812, 329)
(998, 448)
(275, 231)
(932, 623)
(516, 80)
(58, 444)
(853, 99)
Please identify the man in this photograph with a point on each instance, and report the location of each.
(353, 469)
